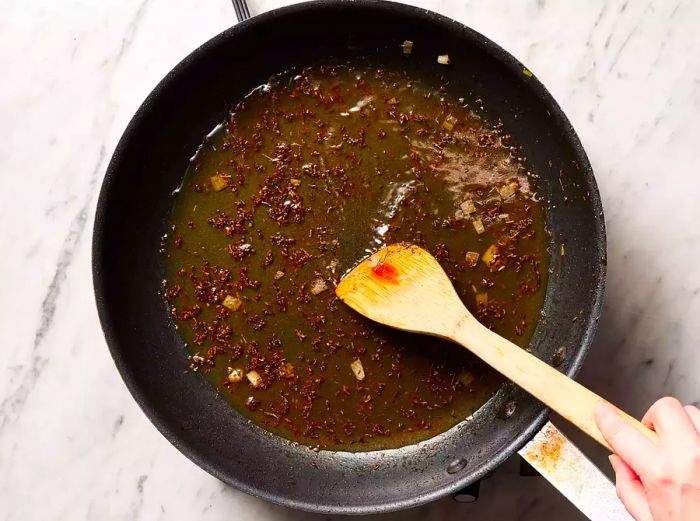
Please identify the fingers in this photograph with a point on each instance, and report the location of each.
(694, 414)
(626, 441)
(670, 421)
(630, 490)
(663, 479)
(691, 504)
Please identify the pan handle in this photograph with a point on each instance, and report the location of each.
(562, 464)
(241, 8)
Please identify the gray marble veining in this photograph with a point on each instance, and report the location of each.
(74, 445)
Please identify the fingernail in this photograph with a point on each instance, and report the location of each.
(613, 461)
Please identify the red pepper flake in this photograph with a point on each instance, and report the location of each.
(173, 292)
(241, 249)
(269, 258)
(256, 321)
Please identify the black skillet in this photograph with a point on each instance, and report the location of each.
(132, 216)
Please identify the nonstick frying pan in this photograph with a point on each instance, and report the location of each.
(132, 216)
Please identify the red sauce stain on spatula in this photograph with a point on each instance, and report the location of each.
(386, 272)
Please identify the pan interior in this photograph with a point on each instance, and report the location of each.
(133, 213)
(319, 167)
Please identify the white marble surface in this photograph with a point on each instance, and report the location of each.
(73, 443)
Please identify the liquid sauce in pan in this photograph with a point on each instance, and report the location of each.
(311, 173)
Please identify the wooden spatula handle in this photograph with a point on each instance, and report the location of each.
(567, 397)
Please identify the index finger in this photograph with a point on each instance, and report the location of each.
(632, 446)
(671, 421)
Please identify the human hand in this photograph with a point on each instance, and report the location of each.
(656, 482)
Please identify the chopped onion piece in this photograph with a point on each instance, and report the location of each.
(279, 275)
(254, 378)
(490, 255)
(218, 182)
(507, 190)
(295, 182)
(467, 207)
(449, 122)
(407, 46)
(287, 371)
(444, 59)
(466, 378)
(332, 265)
(232, 303)
(235, 375)
(392, 101)
(318, 286)
(562, 251)
(482, 299)
(357, 368)
(478, 226)
(472, 258)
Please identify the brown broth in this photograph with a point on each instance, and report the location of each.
(321, 167)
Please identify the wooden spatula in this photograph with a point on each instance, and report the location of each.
(403, 286)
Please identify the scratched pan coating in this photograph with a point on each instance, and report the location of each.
(132, 216)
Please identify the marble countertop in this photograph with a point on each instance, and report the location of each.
(74, 444)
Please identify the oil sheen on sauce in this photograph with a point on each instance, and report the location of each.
(312, 172)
